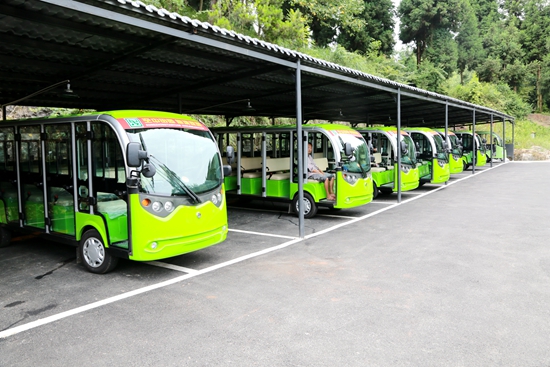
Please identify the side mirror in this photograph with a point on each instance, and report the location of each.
(230, 154)
(404, 147)
(227, 170)
(348, 150)
(134, 154)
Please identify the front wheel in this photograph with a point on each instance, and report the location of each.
(310, 208)
(94, 255)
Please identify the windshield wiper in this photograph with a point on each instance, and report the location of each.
(174, 179)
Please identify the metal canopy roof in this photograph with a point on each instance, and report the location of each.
(126, 55)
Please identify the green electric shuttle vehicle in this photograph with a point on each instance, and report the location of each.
(266, 165)
(454, 148)
(141, 185)
(494, 148)
(383, 144)
(433, 161)
(468, 148)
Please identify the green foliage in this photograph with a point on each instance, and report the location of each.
(263, 19)
(443, 51)
(373, 62)
(470, 48)
(378, 27)
(325, 16)
(499, 97)
(528, 134)
(428, 76)
(420, 19)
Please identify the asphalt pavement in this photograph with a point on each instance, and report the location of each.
(455, 275)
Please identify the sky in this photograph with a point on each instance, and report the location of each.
(398, 44)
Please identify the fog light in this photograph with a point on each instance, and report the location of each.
(154, 245)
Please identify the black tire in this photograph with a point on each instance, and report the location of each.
(94, 255)
(5, 237)
(385, 191)
(310, 208)
(465, 166)
(375, 190)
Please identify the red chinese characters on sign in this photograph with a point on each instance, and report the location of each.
(149, 122)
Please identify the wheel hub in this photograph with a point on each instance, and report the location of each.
(93, 252)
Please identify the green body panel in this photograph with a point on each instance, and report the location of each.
(409, 180)
(278, 188)
(440, 174)
(455, 164)
(84, 220)
(3, 212)
(467, 157)
(383, 177)
(498, 154)
(251, 186)
(33, 206)
(481, 159)
(186, 229)
(63, 219)
(115, 213)
(10, 205)
(424, 170)
(347, 195)
(230, 182)
(315, 189)
(352, 195)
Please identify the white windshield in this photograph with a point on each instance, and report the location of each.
(184, 159)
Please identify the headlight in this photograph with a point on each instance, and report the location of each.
(405, 169)
(169, 206)
(441, 164)
(157, 206)
(350, 179)
(217, 199)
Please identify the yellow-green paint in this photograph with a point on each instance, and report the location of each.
(186, 229)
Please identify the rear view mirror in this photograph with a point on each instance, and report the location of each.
(404, 147)
(230, 154)
(148, 170)
(348, 150)
(134, 154)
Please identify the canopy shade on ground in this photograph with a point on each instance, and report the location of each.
(125, 55)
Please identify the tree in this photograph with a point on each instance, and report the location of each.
(470, 47)
(327, 18)
(535, 33)
(378, 27)
(263, 19)
(421, 18)
(443, 51)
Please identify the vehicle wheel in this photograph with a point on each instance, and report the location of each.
(310, 208)
(464, 166)
(385, 191)
(94, 255)
(5, 237)
(374, 190)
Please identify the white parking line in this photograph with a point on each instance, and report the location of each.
(120, 297)
(172, 267)
(260, 234)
